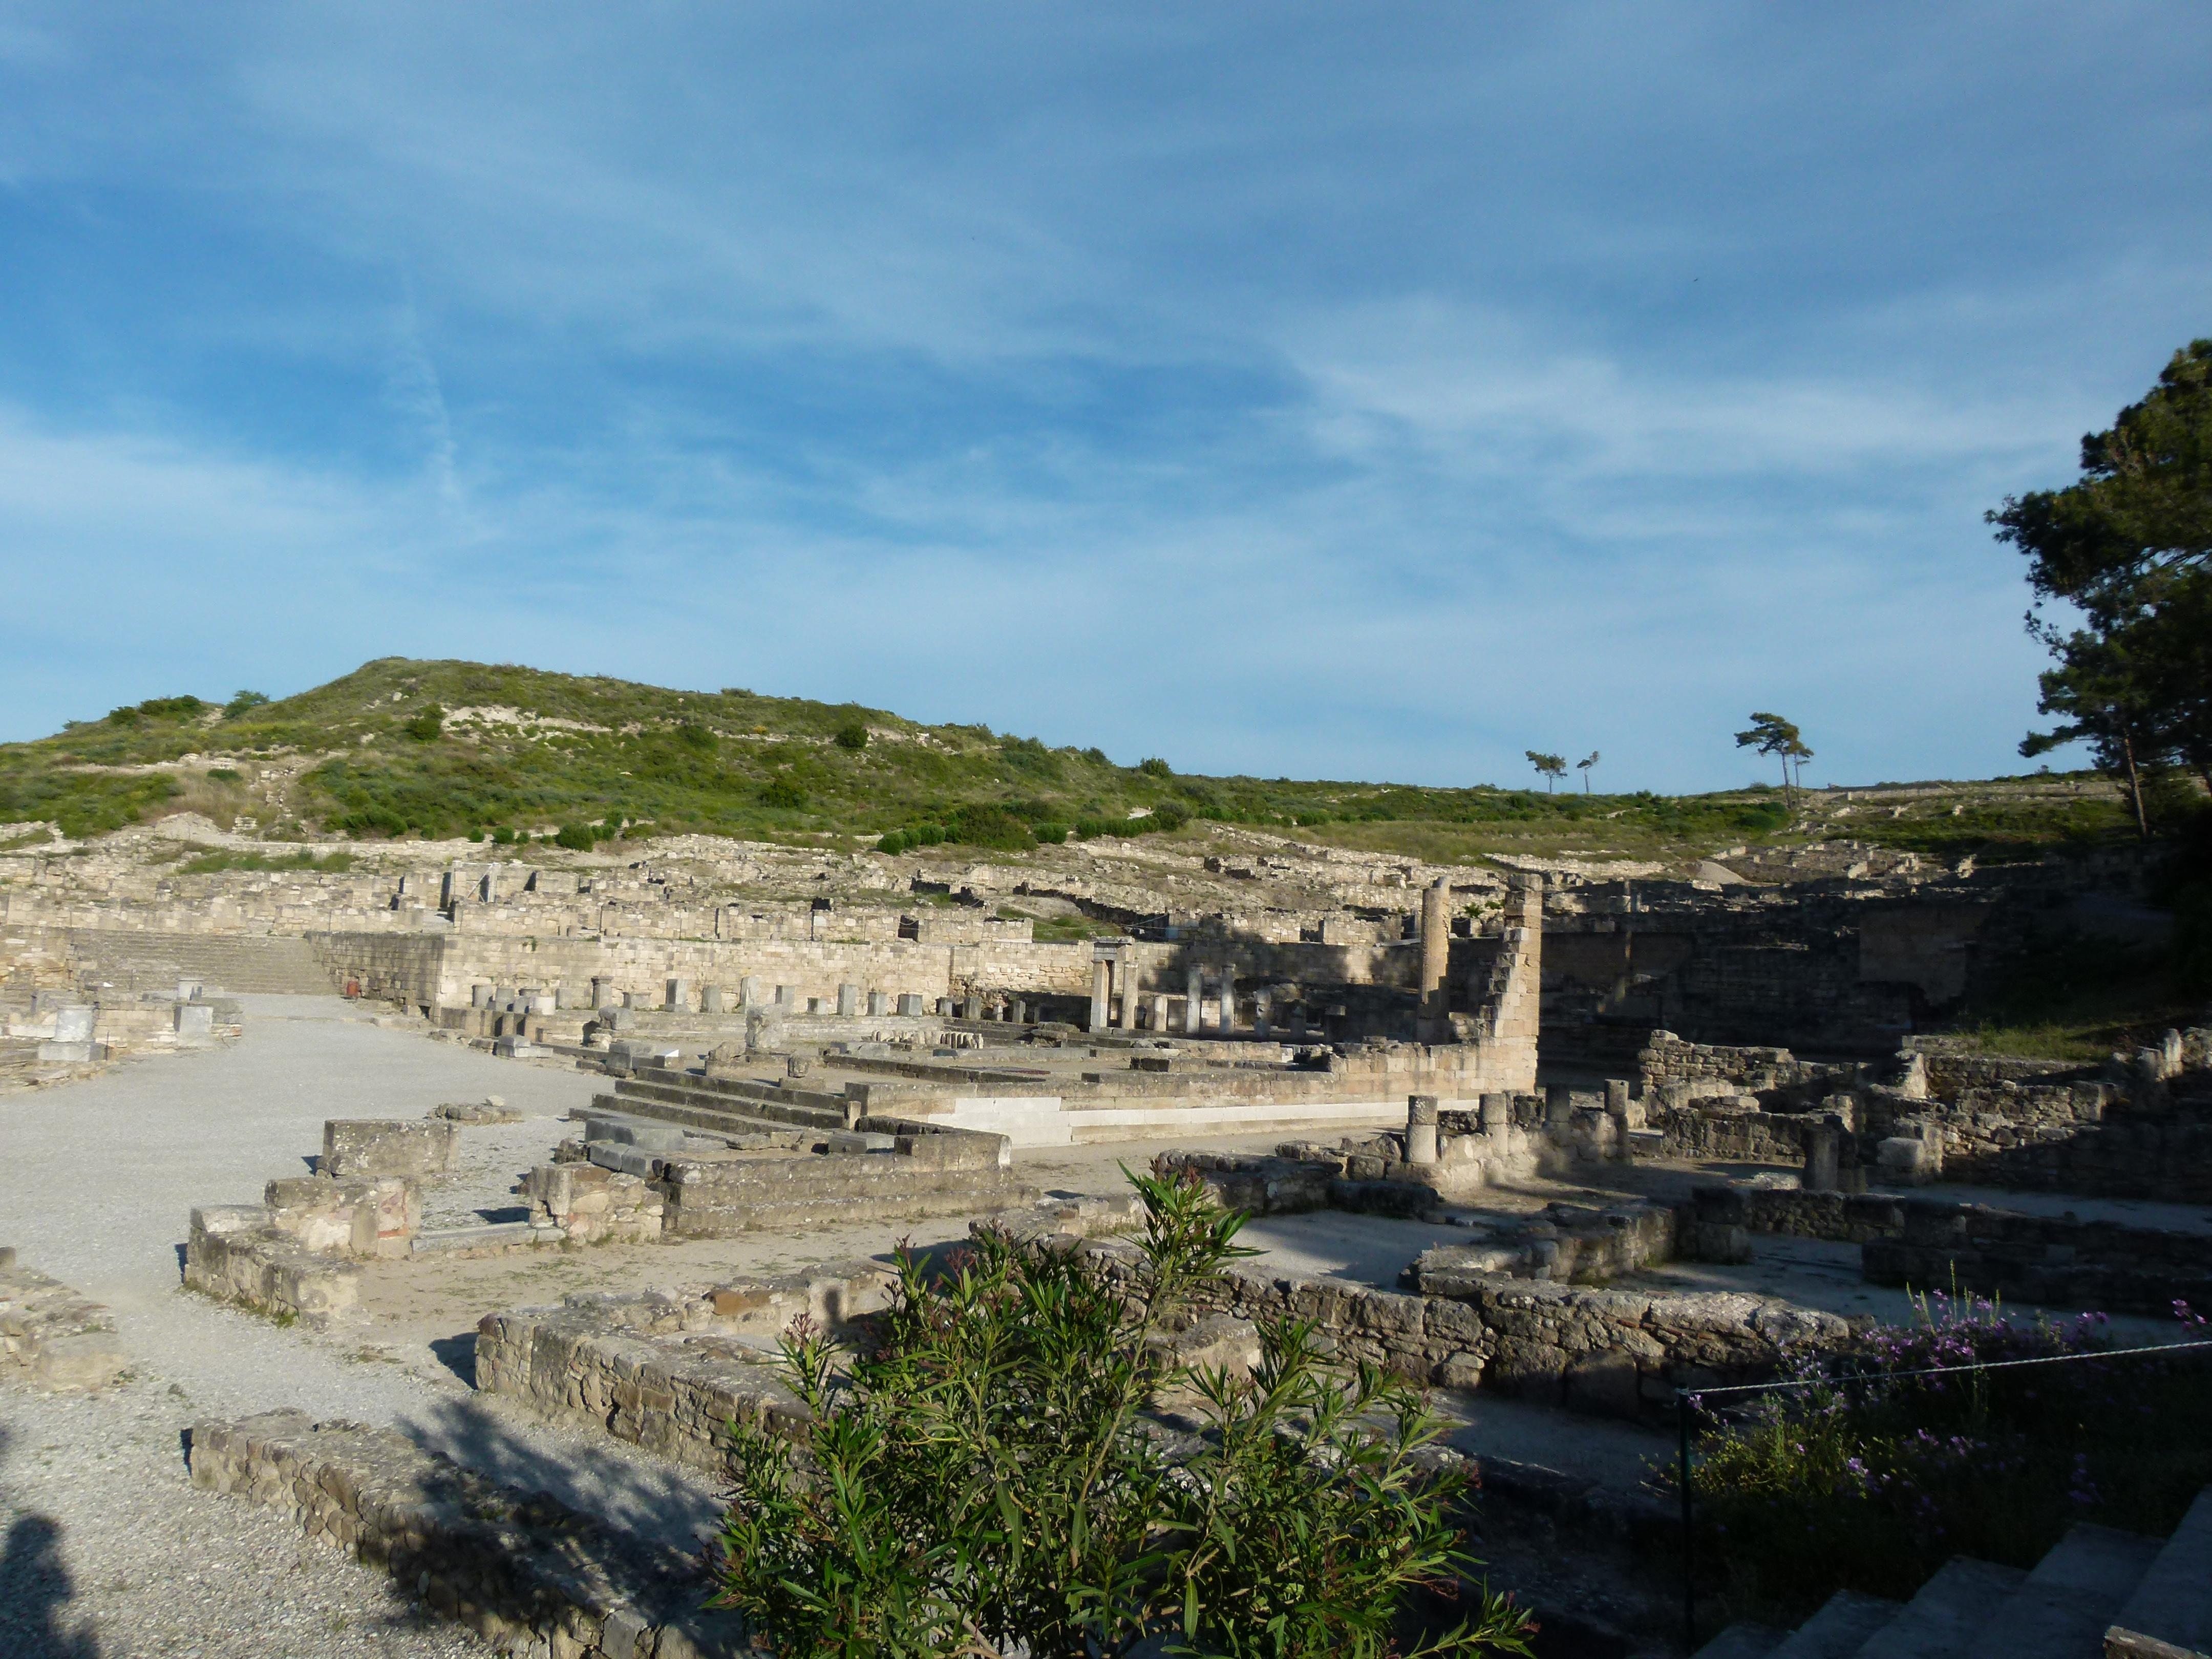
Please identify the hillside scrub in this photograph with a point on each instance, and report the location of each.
(446, 748)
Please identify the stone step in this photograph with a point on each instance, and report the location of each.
(486, 1236)
(1841, 1628)
(1743, 1642)
(1945, 1618)
(271, 964)
(707, 1120)
(2173, 1602)
(751, 1099)
(2062, 1609)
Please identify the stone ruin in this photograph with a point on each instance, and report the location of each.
(52, 1337)
(879, 1048)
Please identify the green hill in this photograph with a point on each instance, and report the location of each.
(443, 748)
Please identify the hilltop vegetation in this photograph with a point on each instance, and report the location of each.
(402, 748)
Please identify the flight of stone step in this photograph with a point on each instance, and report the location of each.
(2100, 1594)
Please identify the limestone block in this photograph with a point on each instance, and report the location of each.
(81, 1364)
(647, 1134)
(380, 1146)
(1903, 1161)
(1216, 1342)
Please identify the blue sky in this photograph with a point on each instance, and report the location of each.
(1352, 392)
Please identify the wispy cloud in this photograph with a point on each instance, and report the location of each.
(1320, 394)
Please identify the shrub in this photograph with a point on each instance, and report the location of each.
(894, 842)
(853, 734)
(978, 825)
(225, 774)
(1155, 768)
(240, 702)
(427, 726)
(698, 739)
(576, 838)
(983, 1477)
(1049, 834)
(784, 795)
(1170, 817)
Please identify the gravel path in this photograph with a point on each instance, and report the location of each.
(108, 1552)
(99, 1184)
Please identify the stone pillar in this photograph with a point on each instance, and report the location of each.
(480, 995)
(1263, 1021)
(1194, 998)
(1616, 1112)
(710, 998)
(1913, 1082)
(878, 1005)
(1228, 998)
(786, 997)
(678, 999)
(1497, 1117)
(848, 1001)
(1436, 959)
(1126, 970)
(1100, 968)
(944, 1008)
(973, 1008)
(749, 991)
(1421, 1129)
(1021, 1011)
(1160, 1012)
(1558, 1108)
(1823, 1152)
(909, 1005)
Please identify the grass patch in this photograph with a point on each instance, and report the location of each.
(2076, 999)
(1870, 1480)
(209, 864)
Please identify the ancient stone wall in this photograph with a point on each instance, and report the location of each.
(923, 1169)
(1614, 1352)
(528, 1575)
(51, 1336)
(1934, 1244)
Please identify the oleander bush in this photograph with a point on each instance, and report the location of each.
(984, 1478)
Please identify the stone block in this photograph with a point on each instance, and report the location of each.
(1902, 1161)
(195, 1020)
(645, 1133)
(80, 1363)
(381, 1146)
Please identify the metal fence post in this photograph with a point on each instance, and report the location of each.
(1682, 1411)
